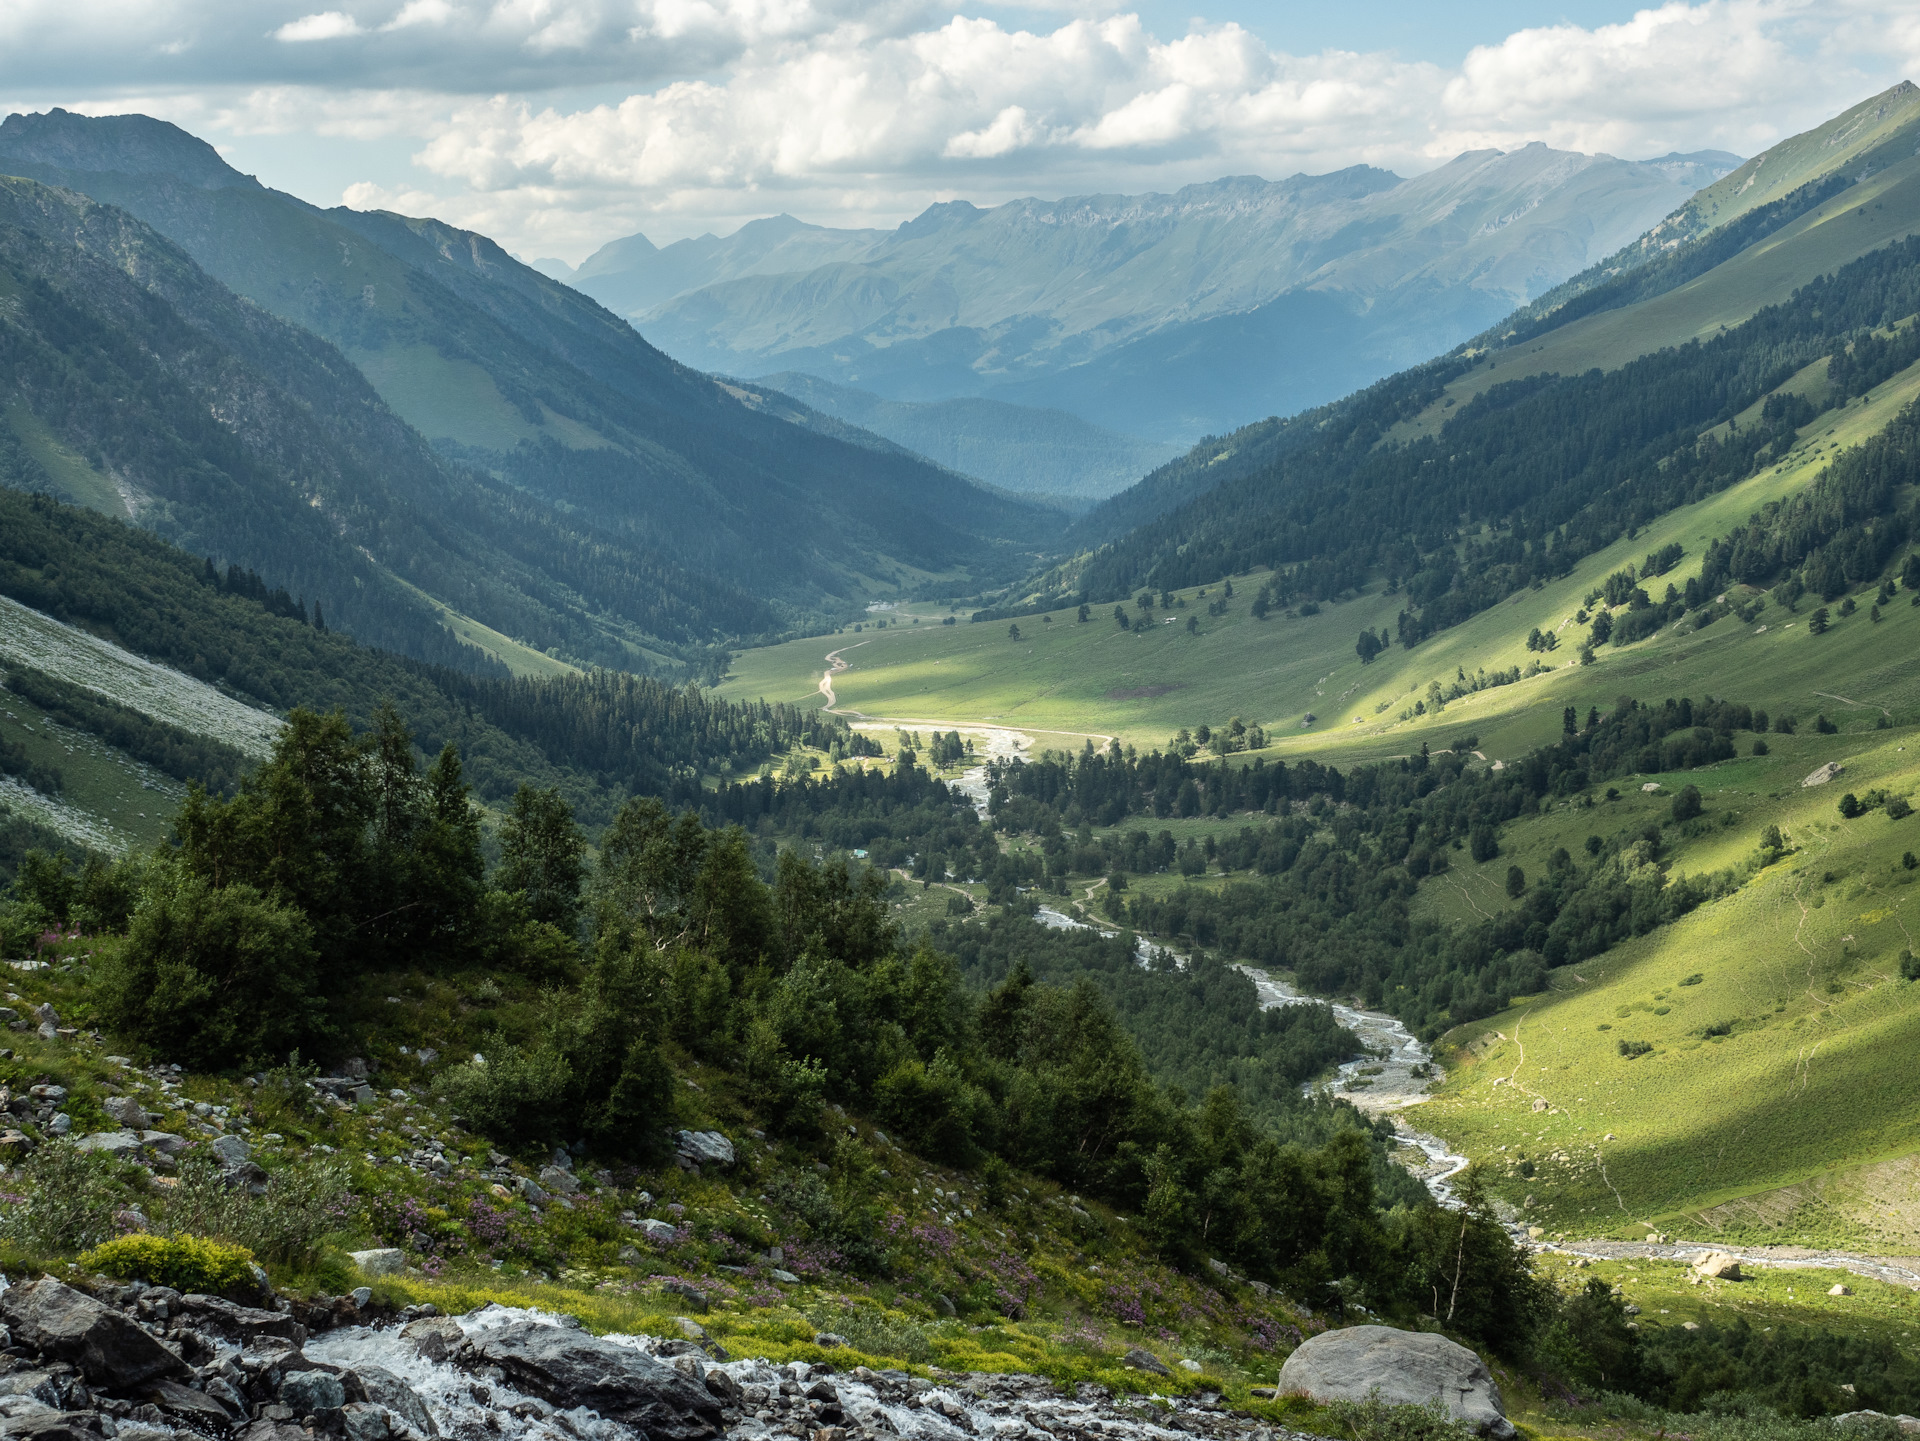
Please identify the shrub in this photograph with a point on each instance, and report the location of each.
(1898, 808)
(302, 1205)
(513, 1095)
(186, 1263)
(1686, 805)
(1630, 1049)
(211, 977)
(71, 1199)
(1377, 1420)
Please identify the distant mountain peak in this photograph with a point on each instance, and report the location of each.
(123, 144)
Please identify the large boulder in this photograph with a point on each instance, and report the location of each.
(382, 1388)
(1719, 1266)
(127, 1111)
(567, 1368)
(110, 1349)
(1405, 1368)
(384, 1261)
(704, 1148)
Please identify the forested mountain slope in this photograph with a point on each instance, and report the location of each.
(1553, 439)
(138, 383)
(528, 380)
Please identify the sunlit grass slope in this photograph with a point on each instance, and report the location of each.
(1075, 678)
(1782, 1037)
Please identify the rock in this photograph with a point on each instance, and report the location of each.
(232, 1151)
(361, 1296)
(426, 1055)
(704, 1148)
(307, 1393)
(434, 1337)
(121, 1145)
(364, 1421)
(242, 1325)
(386, 1261)
(46, 1015)
(659, 1232)
(530, 1191)
(199, 1410)
(1719, 1266)
(46, 1425)
(561, 1183)
(1838, 1290)
(110, 1349)
(1407, 1368)
(127, 1111)
(1189, 1364)
(829, 1339)
(630, 1256)
(384, 1388)
(945, 1307)
(163, 1143)
(1826, 773)
(1139, 1360)
(567, 1368)
(1851, 1419)
(1539, 1103)
(785, 1278)
(695, 1298)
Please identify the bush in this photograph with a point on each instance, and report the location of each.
(186, 1263)
(1898, 808)
(71, 1199)
(211, 978)
(1630, 1049)
(285, 1226)
(1686, 805)
(514, 1095)
(1377, 1420)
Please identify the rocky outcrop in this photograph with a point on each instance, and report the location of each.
(1718, 1266)
(1404, 1368)
(568, 1368)
(61, 1323)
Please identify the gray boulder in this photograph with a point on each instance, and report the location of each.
(110, 1349)
(659, 1232)
(1140, 1360)
(704, 1148)
(307, 1393)
(558, 1181)
(121, 1145)
(568, 1368)
(127, 1111)
(231, 1150)
(1405, 1368)
(386, 1261)
(383, 1388)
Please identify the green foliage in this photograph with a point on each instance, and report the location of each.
(543, 856)
(186, 1263)
(213, 976)
(71, 1198)
(167, 748)
(1686, 803)
(302, 1205)
(1376, 1420)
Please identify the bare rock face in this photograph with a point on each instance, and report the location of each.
(110, 1349)
(568, 1368)
(1405, 1368)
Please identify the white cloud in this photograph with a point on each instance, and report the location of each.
(327, 25)
(562, 122)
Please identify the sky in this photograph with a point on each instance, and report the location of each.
(558, 125)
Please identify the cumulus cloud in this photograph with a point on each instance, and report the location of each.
(327, 25)
(558, 122)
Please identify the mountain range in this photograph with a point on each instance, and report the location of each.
(1162, 316)
(608, 468)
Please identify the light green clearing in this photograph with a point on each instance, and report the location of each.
(440, 398)
(77, 479)
(1816, 1078)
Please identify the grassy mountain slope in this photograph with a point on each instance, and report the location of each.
(537, 385)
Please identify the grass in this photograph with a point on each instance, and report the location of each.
(1777, 1097)
(1064, 681)
(77, 477)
